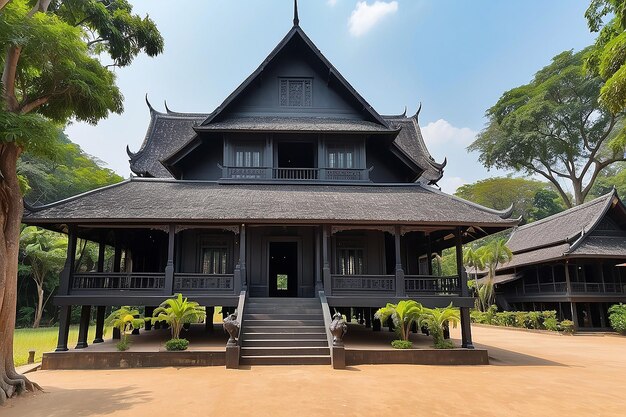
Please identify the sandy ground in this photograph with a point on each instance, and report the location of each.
(530, 375)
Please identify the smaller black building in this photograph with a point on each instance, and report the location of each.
(572, 262)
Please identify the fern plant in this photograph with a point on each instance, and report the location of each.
(403, 314)
(177, 311)
(126, 320)
(435, 319)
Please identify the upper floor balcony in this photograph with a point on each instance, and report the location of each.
(295, 174)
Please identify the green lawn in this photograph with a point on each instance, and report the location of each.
(44, 339)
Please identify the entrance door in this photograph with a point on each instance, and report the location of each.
(283, 269)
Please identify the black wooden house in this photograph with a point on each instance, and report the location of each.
(294, 186)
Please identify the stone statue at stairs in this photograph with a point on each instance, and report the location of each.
(231, 325)
(338, 328)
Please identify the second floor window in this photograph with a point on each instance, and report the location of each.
(247, 158)
(341, 157)
(350, 261)
(296, 92)
(213, 260)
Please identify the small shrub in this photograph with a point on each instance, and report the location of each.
(521, 318)
(567, 326)
(617, 317)
(444, 344)
(123, 345)
(402, 344)
(551, 323)
(490, 314)
(176, 344)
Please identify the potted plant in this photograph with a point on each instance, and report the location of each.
(176, 312)
(403, 314)
(435, 319)
(126, 320)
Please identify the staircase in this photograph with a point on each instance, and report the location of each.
(284, 331)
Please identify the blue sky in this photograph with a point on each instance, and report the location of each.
(456, 57)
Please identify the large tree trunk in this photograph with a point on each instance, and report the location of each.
(11, 209)
(39, 309)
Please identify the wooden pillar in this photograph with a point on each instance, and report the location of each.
(326, 260)
(101, 255)
(117, 259)
(400, 290)
(83, 327)
(466, 325)
(368, 317)
(100, 312)
(169, 267)
(319, 285)
(64, 328)
(148, 313)
(242, 284)
(65, 281)
(429, 251)
(208, 321)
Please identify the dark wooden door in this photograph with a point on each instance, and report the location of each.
(283, 269)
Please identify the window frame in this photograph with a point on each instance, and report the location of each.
(287, 81)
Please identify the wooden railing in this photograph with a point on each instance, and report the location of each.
(598, 287)
(203, 282)
(363, 283)
(295, 173)
(135, 281)
(347, 174)
(548, 287)
(431, 285)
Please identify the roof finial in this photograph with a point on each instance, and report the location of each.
(296, 20)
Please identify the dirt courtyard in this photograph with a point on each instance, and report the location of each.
(530, 375)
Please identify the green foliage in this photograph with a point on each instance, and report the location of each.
(489, 257)
(617, 317)
(176, 344)
(445, 265)
(435, 319)
(125, 319)
(607, 57)
(403, 314)
(567, 326)
(69, 172)
(614, 176)
(176, 312)
(531, 199)
(25, 316)
(551, 324)
(123, 345)
(402, 344)
(554, 127)
(543, 320)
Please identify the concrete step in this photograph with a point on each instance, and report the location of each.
(284, 351)
(279, 316)
(282, 310)
(283, 323)
(272, 334)
(283, 300)
(312, 342)
(248, 329)
(286, 360)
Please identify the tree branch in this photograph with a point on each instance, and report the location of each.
(28, 107)
(8, 78)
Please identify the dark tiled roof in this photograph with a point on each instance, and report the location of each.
(559, 227)
(601, 246)
(295, 124)
(500, 279)
(167, 132)
(150, 199)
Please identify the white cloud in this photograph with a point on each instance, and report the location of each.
(331, 3)
(449, 185)
(442, 132)
(366, 16)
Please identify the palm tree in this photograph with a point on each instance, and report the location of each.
(403, 315)
(45, 253)
(436, 318)
(178, 311)
(124, 319)
(474, 259)
(494, 255)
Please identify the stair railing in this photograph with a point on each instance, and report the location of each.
(337, 353)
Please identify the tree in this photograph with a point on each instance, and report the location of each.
(491, 256)
(403, 314)
(177, 311)
(612, 177)
(435, 319)
(45, 253)
(51, 73)
(607, 58)
(501, 192)
(554, 127)
(125, 319)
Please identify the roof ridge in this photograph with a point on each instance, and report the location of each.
(567, 212)
(80, 195)
(500, 213)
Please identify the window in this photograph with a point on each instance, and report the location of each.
(213, 260)
(282, 281)
(247, 158)
(350, 261)
(296, 92)
(341, 157)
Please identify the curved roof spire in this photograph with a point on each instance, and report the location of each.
(296, 20)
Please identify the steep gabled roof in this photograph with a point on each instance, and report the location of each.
(296, 33)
